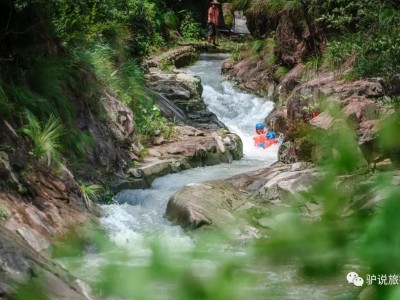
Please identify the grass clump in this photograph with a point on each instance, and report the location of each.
(46, 137)
(90, 193)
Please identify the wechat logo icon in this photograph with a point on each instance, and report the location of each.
(353, 278)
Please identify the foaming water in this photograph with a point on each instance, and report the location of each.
(239, 111)
(138, 218)
(139, 215)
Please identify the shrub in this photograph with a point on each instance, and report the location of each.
(148, 121)
(90, 192)
(190, 29)
(380, 56)
(46, 137)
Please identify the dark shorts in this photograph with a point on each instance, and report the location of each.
(212, 29)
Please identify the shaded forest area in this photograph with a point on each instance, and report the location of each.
(60, 61)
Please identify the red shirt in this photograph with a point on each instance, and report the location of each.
(213, 14)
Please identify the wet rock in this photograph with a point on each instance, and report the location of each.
(227, 65)
(277, 120)
(6, 172)
(135, 172)
(209, 204)
(179, 57)
(184, 90)
(198, 148)
(119, 119)
(125, 184)
(20, 262)
(287, 153)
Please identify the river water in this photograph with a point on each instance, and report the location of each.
(138, 220)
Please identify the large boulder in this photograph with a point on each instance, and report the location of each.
(184, 91)
(210, 204)
(20, 263)
(49, 205)
(190, 148)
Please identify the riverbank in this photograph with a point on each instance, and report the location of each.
(40, 203)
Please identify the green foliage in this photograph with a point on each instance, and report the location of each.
(171, 20)
(339, 51)
(190, 29)
(228, 19)
(350, 76)
(373, 35)
(94, 21)
(380, 56)
(342, 15)
(239, 5)
(313, 63)
(257, 46)
(393, 101)
(236, 52)
(280, 72)
(24, 98)
(46, 137)
(127, 83)
(271, 8)
(264, 48)
(31, 290)
(77, 142)
(50, 78)
(148, 121)
(107, 195)
(90, 193)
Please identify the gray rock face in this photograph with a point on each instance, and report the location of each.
(20, 262)
(213, 204)
(6, 172)
(114, 137)
(191, 148)
(273, 193)
(184, 91)
(229, 204)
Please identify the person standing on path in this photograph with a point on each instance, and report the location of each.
(212, 21)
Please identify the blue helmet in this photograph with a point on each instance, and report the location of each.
(259, 126)
(271, 135)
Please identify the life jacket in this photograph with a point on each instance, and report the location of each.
(270, 142)
(259, 139)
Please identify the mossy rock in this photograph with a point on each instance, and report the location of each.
(186, 59)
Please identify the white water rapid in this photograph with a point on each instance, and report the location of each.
(140, 212)
(138, 218)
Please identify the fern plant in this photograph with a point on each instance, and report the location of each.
(45, 137)
(90, 192)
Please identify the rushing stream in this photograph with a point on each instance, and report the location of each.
(139, 216)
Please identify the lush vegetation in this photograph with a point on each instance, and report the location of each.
(363, 34)
(350, 234)
(59, 56)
